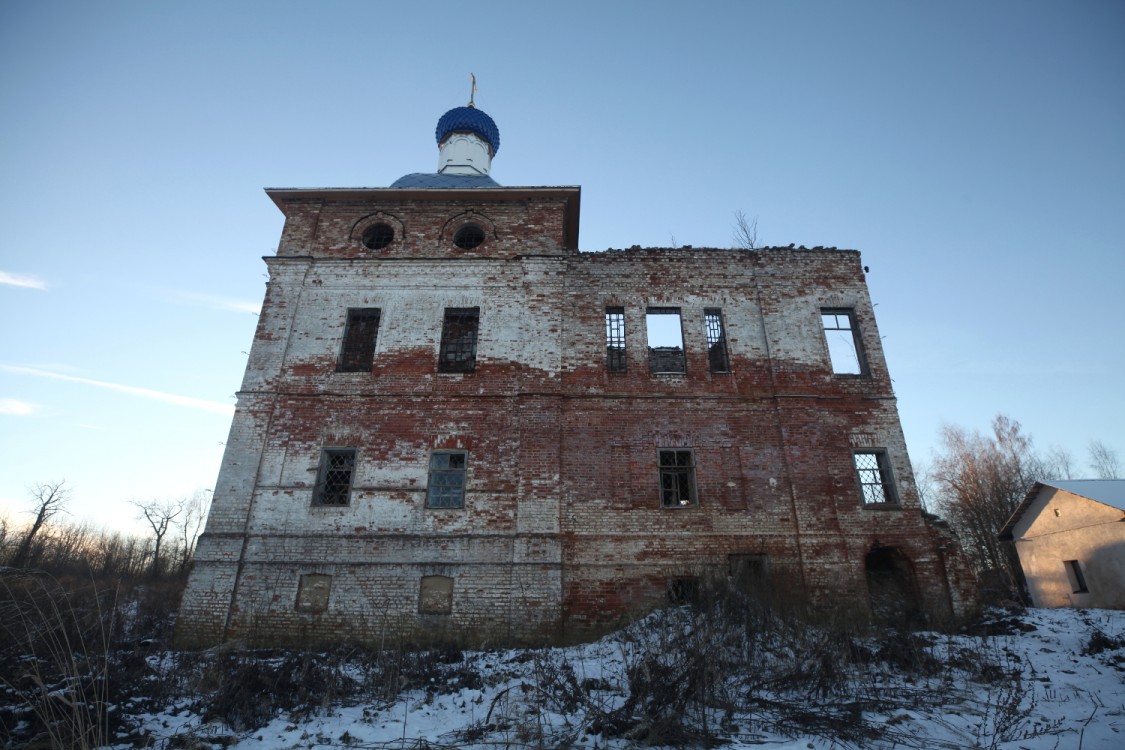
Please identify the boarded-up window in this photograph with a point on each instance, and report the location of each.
(312, 593)
(436, 595)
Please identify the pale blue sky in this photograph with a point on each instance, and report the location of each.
(973, 151)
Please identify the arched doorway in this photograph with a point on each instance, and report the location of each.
(891, 588)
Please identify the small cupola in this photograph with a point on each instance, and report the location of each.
(467, 140)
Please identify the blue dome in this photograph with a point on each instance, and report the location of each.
(472, 120)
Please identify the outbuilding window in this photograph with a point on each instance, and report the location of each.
(1077, 579)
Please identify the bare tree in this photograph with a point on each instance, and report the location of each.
(50, 499)
(745, 231)
(981, 479)
(1058, 463)
(1104, 460)
(160, 514)
(191, 524)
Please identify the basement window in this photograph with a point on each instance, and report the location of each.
(716, 340)
(447, 479)
(1077, 579)
(468, 237)
(873, 470)
(684, 590)
(312, 592)
(435, 595)
(677, 478)
(358, 350)
(378, 236)
(665, 341)
(459, 340)
(615, 339)
(844, 347)
(334, 480)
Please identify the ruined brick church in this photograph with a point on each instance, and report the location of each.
(455, 423)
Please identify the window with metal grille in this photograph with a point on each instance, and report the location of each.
(358, 350)
(334, 481)
(378, 236)
(844, 347)
(459, 340)
(615, 339)
(716, 340)
(468, 237)
(677, 478)
(873, 470)
(665, 340)
(447, 479)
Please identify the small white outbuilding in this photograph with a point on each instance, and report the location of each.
(1070, 538)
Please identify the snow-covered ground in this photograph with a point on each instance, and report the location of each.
(1041, 680)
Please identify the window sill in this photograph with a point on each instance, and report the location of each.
(882, 506)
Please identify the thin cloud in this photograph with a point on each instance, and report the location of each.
(17, 408)
(21, 280)
(131, 390)
(218, 303)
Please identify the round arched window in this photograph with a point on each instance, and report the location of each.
(378, 236)
(468, 237)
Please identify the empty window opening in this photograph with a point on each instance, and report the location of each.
(665, 340)
(615, 339)
(459, 340)
(358, 350)
(716, 340)
(1077, 579)
(844, 347)
(447, 479)
(891, 587)
(435, 595)
(683, 590)
(312, 592)
(468, 237)
(378, 236)
(677, 478)
(334, 481)
(873, 469)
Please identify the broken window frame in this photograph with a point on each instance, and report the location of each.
(677, 477)
(875, 478)
(842, 339)
(717, 357)
(334, 477)
(459, 332)
(615, 339)
(665, 355)
(445, 488)
(361, 333)
(1076, 577)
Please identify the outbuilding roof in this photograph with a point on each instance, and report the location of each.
(1109, 492)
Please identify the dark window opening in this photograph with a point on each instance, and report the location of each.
(1077, 579)
(378, 236)
(334, 481)
(665, 340)
(716, 340)
(459, 340)
(468, 237)
(677, 478)
(683, 590)
(435, 595)
(615, 339)
(873, 469)
(447, 479)
(844, 347)
(360, 332)
(891, 588)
